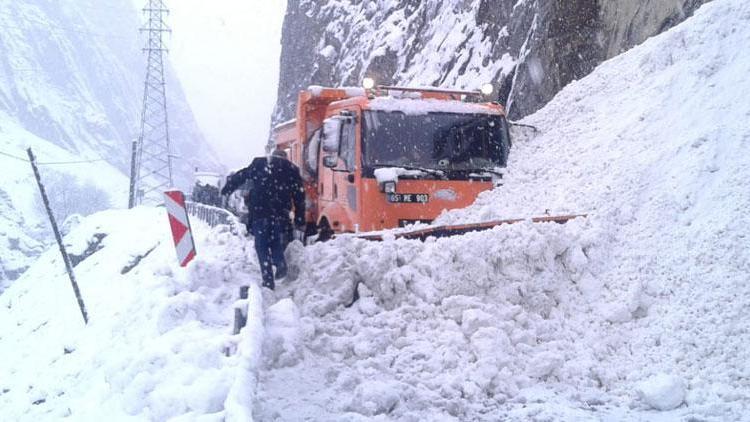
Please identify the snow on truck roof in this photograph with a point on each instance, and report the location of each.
(351, 91)
(409, 102)
(420, 106)
(286, 123)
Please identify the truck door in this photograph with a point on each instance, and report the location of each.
(338, 187)
(345, 171)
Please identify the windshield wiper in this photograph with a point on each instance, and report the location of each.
(479, 170)
(433, 172)
(496, 173)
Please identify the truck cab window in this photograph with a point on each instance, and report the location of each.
(443, 141)
(347, 149)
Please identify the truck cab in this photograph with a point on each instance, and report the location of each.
(389, 157)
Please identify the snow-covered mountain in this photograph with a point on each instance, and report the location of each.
(638, 312)
(71, 86)
(530, 49)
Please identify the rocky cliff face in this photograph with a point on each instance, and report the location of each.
(530, 49)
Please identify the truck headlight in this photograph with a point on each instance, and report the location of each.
(389, 187)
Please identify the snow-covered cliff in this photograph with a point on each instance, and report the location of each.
(528, 48)
(71, 83)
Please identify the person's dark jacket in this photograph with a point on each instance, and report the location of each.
(275, 185)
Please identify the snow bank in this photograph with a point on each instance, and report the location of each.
(155, 345)
(560, 322)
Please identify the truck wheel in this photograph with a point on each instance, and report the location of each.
(311, 229)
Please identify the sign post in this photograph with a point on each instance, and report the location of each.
(58, 237)
(180, 224)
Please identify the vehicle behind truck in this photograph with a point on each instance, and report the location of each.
(387, 157)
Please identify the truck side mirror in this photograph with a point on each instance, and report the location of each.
(330, 161)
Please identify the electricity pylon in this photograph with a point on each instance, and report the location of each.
(151, 165)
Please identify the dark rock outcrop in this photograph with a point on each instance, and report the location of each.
(530, 49)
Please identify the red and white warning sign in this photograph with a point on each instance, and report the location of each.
(178, 220)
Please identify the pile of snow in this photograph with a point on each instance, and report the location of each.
(441, 329)
(639, 308)
(155, 346)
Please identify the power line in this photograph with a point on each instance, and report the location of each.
(52, 163)
(13, 156)
(51, 26)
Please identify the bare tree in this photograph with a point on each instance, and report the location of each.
(68, 195)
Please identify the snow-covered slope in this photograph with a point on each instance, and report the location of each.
(22, 226)
(71, 86)
(638, 312)
(155, 344)
(72, 73)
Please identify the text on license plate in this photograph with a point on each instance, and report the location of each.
(409, 198)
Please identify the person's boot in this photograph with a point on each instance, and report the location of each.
(269, 285)
(281, 272)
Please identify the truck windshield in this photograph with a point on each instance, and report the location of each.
(444, 141)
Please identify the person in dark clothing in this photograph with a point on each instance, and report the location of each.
(249, 216)
(275, 186)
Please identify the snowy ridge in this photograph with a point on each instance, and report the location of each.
(154, 348)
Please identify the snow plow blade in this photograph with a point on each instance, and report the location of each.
(456, 230)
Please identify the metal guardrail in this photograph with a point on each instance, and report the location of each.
(213, 216)
(521, 133)
(460, 229)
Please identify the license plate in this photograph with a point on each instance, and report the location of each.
(408, 198)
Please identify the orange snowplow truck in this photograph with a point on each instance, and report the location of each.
(387, 157)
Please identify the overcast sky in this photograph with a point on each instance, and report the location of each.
(226, 54)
